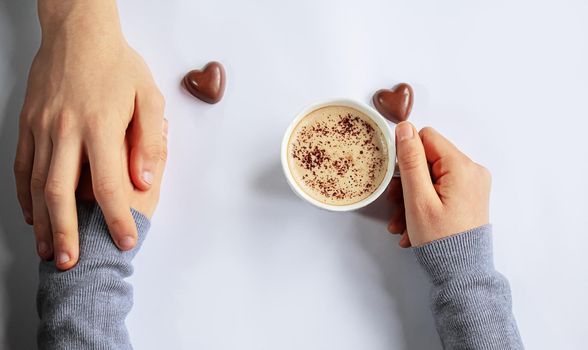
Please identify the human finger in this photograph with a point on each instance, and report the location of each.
(61, 201)
(23, 166)
(145, 141)
(41, 221)
(107, 184)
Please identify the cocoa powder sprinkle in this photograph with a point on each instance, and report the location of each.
(338, 155)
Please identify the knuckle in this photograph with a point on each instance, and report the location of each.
(462, 165)
(484, 174)
(105, 188)
(425, 132)
(60, 236)
(41, 228)
(64, 240)
(21, 167)
(163, 153)
(40, 121)
(54, 191)
(117, 225)
(153, 149)
(26, 111)
(444, 166)
(470, 166)
(410, 160)
(38, 181)
(154, 101)
(63, 125)
(94, 128)
(157, 100)
(98, 128)
(93, 123)
(26, 118)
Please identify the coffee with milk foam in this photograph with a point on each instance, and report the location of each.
(337, 155)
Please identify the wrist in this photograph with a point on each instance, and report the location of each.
(89, 20)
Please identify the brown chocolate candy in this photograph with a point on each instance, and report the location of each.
(208, 83)
(394, 104)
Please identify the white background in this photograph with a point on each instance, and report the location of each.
(234, 260)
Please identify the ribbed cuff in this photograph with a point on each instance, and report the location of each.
(95, 238)
(463, 253)
(85, 306)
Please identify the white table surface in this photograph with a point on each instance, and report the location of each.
(234, 260)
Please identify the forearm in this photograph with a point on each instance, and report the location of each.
(85, 307)
(471, 301)
(78, 21)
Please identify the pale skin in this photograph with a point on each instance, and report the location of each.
(144, 202)
(441, 191)
(88, 91)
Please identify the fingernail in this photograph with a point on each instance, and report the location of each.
(62, 258)
(147, 177)
(42, 248)
(404, 131)
(126, 242)
(403, 241)
(390, 228)
(28, 218)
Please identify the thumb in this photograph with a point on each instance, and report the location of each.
(145, 141)
(417, 185)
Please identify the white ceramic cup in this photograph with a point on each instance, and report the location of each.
(380, 121)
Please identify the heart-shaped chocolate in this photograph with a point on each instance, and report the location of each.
(394, 104)
(208, 83)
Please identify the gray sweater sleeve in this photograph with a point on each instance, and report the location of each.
(86, 306)
(471, 301)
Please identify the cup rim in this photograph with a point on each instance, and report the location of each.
(380, 121)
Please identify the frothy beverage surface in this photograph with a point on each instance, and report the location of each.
(338, 155)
